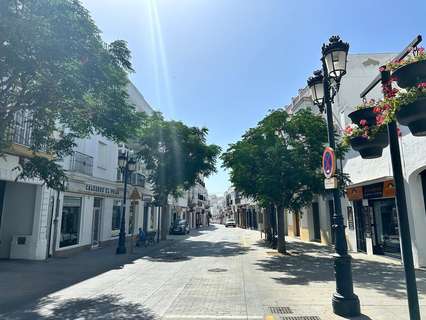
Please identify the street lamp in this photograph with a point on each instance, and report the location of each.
(127, 166)
(324, 85)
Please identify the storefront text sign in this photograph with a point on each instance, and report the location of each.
(373, 191)
(354, 193)
(101, 189)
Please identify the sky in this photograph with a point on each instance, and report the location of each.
(224, 64)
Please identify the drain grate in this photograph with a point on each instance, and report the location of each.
(217, 270)
(300, 318)
(280, 310)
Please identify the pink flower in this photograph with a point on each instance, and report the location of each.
(348, 130)
(386, 106)
(363, 122)
(421, 85)
(380, 119)
(421, 50)
(377, 110)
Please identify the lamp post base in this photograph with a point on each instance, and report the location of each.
(121, 250)
(346, 306)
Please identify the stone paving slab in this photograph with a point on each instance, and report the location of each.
(215, 273)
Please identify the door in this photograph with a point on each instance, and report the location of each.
(316, 220)
(360, 227)
(145, 218)
(387, 227)
(97, 210)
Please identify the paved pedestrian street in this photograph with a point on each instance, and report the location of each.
(215, 273)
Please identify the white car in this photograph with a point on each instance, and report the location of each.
(230, 223)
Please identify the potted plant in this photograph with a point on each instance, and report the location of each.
(410, 108)
(368, 141)
(364, 113)
(411, 70)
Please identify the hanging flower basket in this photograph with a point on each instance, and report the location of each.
(370, 147)
(365, 116)
(413, 115)
(411, 74)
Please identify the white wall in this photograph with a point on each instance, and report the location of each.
(18, 215)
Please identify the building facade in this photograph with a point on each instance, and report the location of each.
(369, 205)
(36, 222)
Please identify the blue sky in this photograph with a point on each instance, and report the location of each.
(224, 63)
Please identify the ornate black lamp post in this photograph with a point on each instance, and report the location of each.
(127, 166)
(324, 85)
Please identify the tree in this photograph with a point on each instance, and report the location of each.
(279, 162)
(176, 156)
(66, 82)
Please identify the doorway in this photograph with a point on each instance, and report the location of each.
(97, 211)
(316, 221)
(360, 227)
(386, 227)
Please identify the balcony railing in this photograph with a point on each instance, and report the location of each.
(81, 163)
(20, 130)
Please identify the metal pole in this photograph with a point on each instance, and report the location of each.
(158, 223)
(345, 302)
(121, 249)
(407, 252)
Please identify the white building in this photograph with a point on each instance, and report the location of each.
(369, 208)
(35, 222)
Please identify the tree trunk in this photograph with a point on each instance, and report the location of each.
(165, 221)
(281, 229)
(266, 224)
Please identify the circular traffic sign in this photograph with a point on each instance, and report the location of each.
(328, 162)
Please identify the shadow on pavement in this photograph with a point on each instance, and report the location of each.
(29, 281)
(97, 308)
(192, 248)
(314, 263)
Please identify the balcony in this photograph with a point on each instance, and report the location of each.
(81, 163)
(137, 179)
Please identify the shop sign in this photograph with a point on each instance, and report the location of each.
(328, 162)
(354, 194)
(101, 189)
(86, 188)
(389, 189)
(373, 191)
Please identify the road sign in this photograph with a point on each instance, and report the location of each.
(330, 183)
(328, 162)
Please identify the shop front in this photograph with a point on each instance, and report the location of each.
(374, 217)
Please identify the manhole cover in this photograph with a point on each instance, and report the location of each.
(280, 310)
(300, 318)
(217, 270)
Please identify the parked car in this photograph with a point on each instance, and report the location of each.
(179, 227)
(230, 223)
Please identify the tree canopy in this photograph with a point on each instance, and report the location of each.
(279, 160)
(57, 71)
(175, 155)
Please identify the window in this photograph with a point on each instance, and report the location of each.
(116, 215)
(70, 225)
(102, 155)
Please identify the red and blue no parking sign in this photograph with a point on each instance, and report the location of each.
(328, 162)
